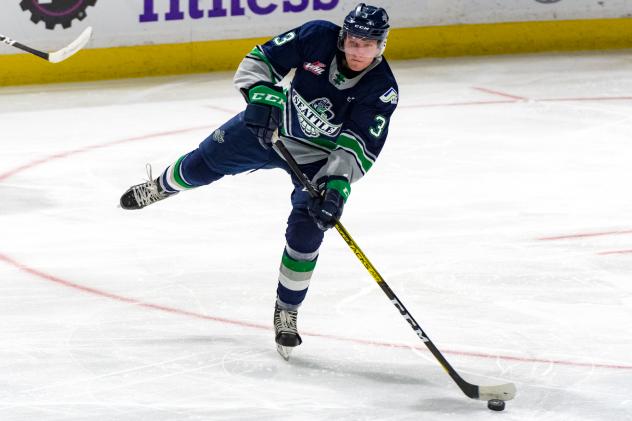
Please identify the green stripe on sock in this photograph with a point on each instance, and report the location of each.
(296, 265)
(176, 174)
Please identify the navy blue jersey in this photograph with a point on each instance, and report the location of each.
(343, 119)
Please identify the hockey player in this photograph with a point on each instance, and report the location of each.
(333, 118)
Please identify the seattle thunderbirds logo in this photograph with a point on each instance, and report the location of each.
(314, 116)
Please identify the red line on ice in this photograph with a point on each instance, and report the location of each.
(498, 93)
(457, 104)
(605, 253)
(596, 98)
(121, 298)
(90, 148)
(132, 301)
(585, 235)
(515, 100)
(222, 109)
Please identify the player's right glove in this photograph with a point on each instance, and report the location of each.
(264, 112)
(326, 209)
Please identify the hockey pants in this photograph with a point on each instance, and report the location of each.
(234, 149)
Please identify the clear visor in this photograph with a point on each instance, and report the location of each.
(361, 47)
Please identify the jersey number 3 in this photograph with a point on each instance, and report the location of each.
(380, 124)
(282, 39)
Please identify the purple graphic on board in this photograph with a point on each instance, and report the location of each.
(182, 9)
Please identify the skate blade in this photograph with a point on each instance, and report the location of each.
(284, 351)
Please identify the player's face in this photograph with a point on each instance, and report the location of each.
(360, 52)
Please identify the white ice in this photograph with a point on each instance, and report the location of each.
(165, 313)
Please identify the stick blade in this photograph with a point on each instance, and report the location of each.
(72, 48)
(504, 392)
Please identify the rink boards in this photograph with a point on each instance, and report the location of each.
(159, 37)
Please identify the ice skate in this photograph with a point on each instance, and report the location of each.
(144, 194)
(286, 334)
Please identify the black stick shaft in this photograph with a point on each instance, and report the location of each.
(13, 43)
(470, 390)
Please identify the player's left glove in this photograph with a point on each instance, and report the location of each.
(264, 112)
(326, 209)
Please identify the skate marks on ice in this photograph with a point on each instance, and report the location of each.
(24, 199)
(82, 357)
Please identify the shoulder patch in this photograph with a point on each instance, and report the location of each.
(390, 96)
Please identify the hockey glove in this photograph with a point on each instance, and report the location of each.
(326, 209)
(264, 112)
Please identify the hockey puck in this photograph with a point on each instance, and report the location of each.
(496, 404)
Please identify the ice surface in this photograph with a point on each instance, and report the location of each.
(499, 212)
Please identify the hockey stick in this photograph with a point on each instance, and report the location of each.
(503, 392)
(57, 56)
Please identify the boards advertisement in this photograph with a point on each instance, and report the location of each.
(50, 23)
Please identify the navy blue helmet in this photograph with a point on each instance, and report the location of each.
(366, 22)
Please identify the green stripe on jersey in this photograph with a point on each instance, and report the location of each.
(348, 142)
(260, 55)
